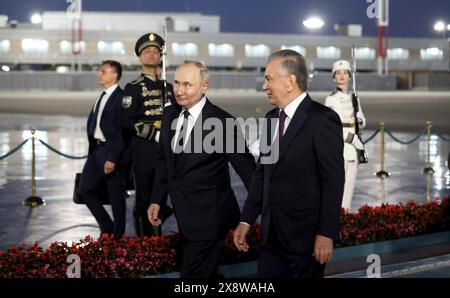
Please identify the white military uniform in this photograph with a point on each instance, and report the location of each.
(342, 104)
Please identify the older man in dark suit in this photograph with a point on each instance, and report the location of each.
(299, 193)
(193, 168)
(105, 163)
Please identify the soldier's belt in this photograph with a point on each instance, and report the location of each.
(147, 130)
(348, 124)
(156, 123)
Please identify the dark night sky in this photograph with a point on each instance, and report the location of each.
(408, 18)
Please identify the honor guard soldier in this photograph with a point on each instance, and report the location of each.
(340, 100)
(143, 104)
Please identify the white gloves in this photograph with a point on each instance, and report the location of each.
(355, 141)
(145, 130)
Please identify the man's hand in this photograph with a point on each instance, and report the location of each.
(240, 235)
(109, 167)
(323, 249)
(152, 214)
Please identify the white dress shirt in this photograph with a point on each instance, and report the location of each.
(290, 111)
(98, 134)
(194, 113)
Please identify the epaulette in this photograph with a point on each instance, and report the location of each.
(137, 80)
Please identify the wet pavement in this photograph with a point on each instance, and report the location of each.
(61, 220)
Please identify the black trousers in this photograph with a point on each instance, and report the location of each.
(92, 178)
(275, 262)
(143, 160)
(201, 258)
(143, 165)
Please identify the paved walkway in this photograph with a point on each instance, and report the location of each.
(62, 220)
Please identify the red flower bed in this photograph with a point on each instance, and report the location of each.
(104, 257)
(389, 222)
(134, 257)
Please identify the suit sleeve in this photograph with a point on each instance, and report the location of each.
(118, 141)
(329, 146)
(253, 205)
(160, 183)
(240, 157)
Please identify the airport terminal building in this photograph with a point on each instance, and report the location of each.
(58, 43)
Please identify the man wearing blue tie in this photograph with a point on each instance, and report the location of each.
(106, 164)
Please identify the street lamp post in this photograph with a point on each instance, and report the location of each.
(313, 23)
(36, 18)
(441, 26)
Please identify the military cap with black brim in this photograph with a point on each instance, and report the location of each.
(146, 40)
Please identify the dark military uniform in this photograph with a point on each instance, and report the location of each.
(142, 112)
(143, 103)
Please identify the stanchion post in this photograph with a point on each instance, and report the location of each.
(33, 200)
(428, 170)
(382, 173)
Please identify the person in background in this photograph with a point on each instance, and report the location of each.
(105, 163)
(143, 104)
(341, 101)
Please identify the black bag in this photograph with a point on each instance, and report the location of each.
(103, 192)
(362, 156)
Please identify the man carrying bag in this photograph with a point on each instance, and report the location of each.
(106, 165)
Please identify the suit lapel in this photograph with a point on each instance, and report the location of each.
(170, 133)
(297, 121)
(185, 158)
(267, 137)
(108, 104)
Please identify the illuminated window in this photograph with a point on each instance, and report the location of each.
(298, 49)
(328, 52)
(257, 51)
(220, 50)
(111, 47)
(431, 54)
(185, 49)
(4, 46)
(398, 54)
(365, 53)
(66, 46)
(35, 46)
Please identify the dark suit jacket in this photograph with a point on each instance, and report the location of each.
(110, 124)
(300, 195)
(199, 183)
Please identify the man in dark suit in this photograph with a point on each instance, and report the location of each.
(299, 193)
(105, 163)
(193, 167)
